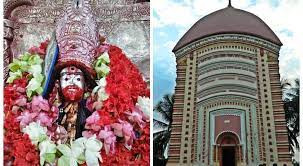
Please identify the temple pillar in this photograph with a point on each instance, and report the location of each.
(217, 160)
(7, 40)
(8, 7)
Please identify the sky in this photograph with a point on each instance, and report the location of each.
(172, 18)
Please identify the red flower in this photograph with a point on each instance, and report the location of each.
(113, 50)
(41, 50)
(17, 147)
(13, 92)
(25, 151)
(124, 85)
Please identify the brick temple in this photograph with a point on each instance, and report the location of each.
(228, 108)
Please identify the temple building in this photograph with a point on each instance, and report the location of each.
(228, 106)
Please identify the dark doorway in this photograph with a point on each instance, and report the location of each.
(228, 156)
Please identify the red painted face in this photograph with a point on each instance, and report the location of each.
(72, 84)
(72, 93)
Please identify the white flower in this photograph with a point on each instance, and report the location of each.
(102, 82)
(36, 132)
(36, 70)
(104, 69)
(47, 151)
(105, 57)
(100, 90)
(143, 104)
(71, 155)
(102, 95)
(92, 147)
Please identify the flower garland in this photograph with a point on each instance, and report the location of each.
(31, 64)
(121, 123)
(18, 149)
(117, 130)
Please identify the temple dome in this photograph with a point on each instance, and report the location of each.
(228, 20)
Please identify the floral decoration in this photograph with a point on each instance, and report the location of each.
(31, 64)
(117, 132)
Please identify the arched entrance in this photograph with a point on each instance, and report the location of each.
(228, 149)
(228, 156)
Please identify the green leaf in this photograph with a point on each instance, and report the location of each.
(101, 65)
(39, 90)
(36, 70)
(42, 160)
(81, 159)
(65, 150)
(14, 66)
(13, 76)
(47, 147)
(39, 77)
(50, 157)
(32, 86)
(25, 56)
(63, 161)
(104, 57)
(24, 66)
(35, 59)
(29, 93)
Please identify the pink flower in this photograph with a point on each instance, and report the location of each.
(58, 134)
(137, 117)
(44, 119)
(97, 105)
(118, 129)
(21, 101)
(89, 104)
(109, 139)
(92, 122)
(88, 134)
(102, 48)
(15, 109)
(36, 50)
(39, 103)
(124, 129)
(54, 112)
(25, 118)
(20, 89)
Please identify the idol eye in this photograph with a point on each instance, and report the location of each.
(78, 79)
(66, 79)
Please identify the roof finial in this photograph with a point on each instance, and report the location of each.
(229, 3)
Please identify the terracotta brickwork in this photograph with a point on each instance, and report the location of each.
(278, 111)
(175, 141)
(228, 87)
(227, 123)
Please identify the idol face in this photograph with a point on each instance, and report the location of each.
(72, 84)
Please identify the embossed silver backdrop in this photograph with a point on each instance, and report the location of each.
(124, 23)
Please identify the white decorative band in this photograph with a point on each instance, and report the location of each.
(226, 37)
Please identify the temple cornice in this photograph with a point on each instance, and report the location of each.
(227, 38)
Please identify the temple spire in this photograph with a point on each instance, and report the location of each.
(229, 3)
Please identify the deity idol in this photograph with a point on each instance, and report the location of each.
(72, 114)
(78, 40)
(95, 101)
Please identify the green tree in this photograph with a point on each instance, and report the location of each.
(162, 121)
(291, 98)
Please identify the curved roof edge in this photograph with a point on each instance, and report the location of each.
(225, 21)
